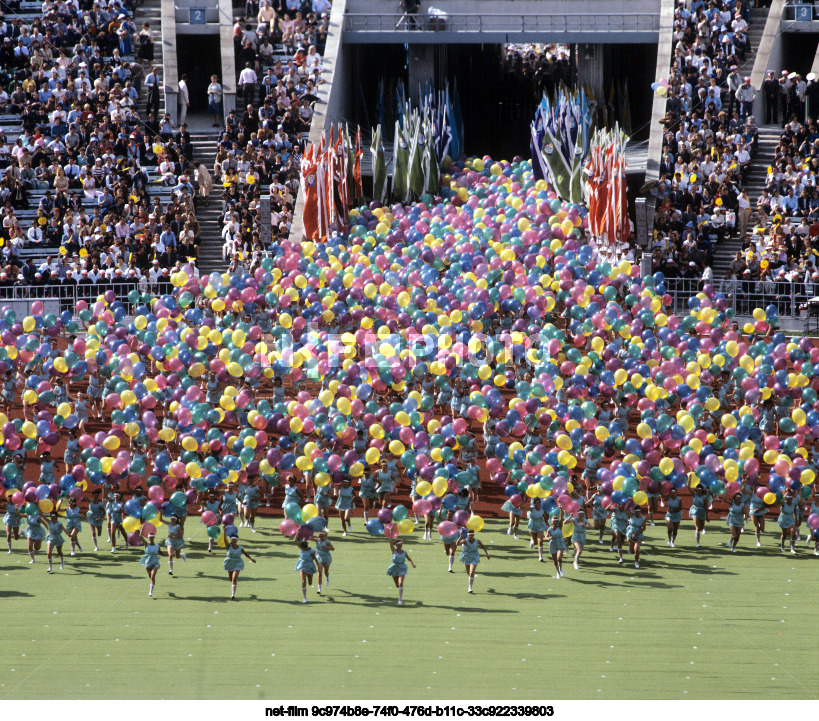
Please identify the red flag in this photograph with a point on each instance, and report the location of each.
(310, 188)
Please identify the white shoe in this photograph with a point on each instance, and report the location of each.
(758, 544)
(557, 575)
(782, 549)
(344, 534)
(816, 551)
(698, 545)
(508, 531)
(576, 566)
(32, 561)
(184, 558)
(703, 532)
(304, 600)
(62, 565)
(252, 529)
(793, 551)
(400, 603)
(72, 553)
(734, 549)
(672, 544)
(516, 538)
(636, 565)
(619, 560)
(600, 541)
(668, 543)
(652, 523)
(113, 550)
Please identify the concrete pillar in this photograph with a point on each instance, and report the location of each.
(768, 56)
(228, 56)
(170, 77)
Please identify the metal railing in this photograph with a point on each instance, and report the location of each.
(602, 23)
(69, 294)
(791, 299)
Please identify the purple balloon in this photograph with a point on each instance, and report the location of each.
(385, 516)
(227, 519)
(305, 533)
(460, 518)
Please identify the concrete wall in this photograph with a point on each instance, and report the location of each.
(228, 57)
(169, 67)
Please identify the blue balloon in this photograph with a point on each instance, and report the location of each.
(375, 527)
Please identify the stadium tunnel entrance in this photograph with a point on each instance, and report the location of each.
(497, 103)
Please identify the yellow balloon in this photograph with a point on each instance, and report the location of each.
(111, 443)
(568, 529)
(397, 448)
(309, 511)
(769, 498)
(46, 505)
(167, 435)
(439, 487)
(475, 523)
(406, 526)
(28, 428)
(189, 443)
(372, 455)
(130, 524)
(423, 488)
(640, 498)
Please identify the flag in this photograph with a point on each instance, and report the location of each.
(309, 188)
(379, 167)
(559, 170)
(431, 182)
(359, 193)
(400, 164)
(415, 179)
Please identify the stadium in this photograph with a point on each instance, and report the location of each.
(435, 351)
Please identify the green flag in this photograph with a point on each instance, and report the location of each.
(400, 164)
(379, 167)
(416, 171)
(430, 164)
(560, 173)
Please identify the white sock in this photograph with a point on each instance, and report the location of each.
(319, 588)
(151, 590)
(366, 517)
(304, 592)
(400, 594)
(451, 561)
(471, 580)
(233, 590)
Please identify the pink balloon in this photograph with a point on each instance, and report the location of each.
(447, 528)
(209, 518)
(148, 528)
(289, 527)
(421, 507)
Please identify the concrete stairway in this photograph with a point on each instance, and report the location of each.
(209, 211)
(150, 13)
(754, 184)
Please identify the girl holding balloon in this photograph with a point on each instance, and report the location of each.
(11, 519)
(306, 566)
(578, 537)
(513, 508)
(367, 492)
(386, 483)
(398, 566)
(699, 510)
(54, 539)
(470, 556)
(175, 542)
(735, 520)
(81, 409)
(634, 533)
(35, 533)
(114, 513)
(787, 521)
(71, 455)
(598, 512)
(94, 516)
(323, 557)
(537, 527)
(250, 504)
(812, 512)
(557, 544)
(73, 524)
(229, 500)
(47, 469)
(450, 541)
(758, 510)
(619, 527)
(323, 500)
(673, 516)
(9, 386)
(234, 563)
(212, 505)
(150, 559)
(344, 505)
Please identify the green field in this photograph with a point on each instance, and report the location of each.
(690, 623)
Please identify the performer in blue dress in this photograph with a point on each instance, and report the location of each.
(619, 525)
(234, 563)
(175, 542)
(398, 566)
(758, 510)
(213, 505)
(787, 521)
(470, 555)
(323, 558)
(450, 542)
(11, 520)
(73, 524)
(578, 537)
(229, 498)
(81, 409)
(54, 539)
(537, 527)
(673, 516)
(114, 512)
(386, 481)
(250, 504)
(598, 512)
(344, 505)
(324, 500)
(306, 566)
(71, 455)
(634, 533)
(699, 510)
(735, 520)
(557, 544)
(47, 469)
(515, 514)
(95, 516)
(150, 560)
(812, 509)
(367, 492)
(35, 533)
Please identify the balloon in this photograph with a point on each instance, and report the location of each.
(568, 529)
(474, 523)
(374, 527)
(130, 524)
(288, 527)
(406, 526)
(640, 498)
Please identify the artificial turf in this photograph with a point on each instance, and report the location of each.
(690, 623)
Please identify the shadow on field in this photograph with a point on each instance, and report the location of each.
(522, 596)
(15, 594)
(378, 601)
